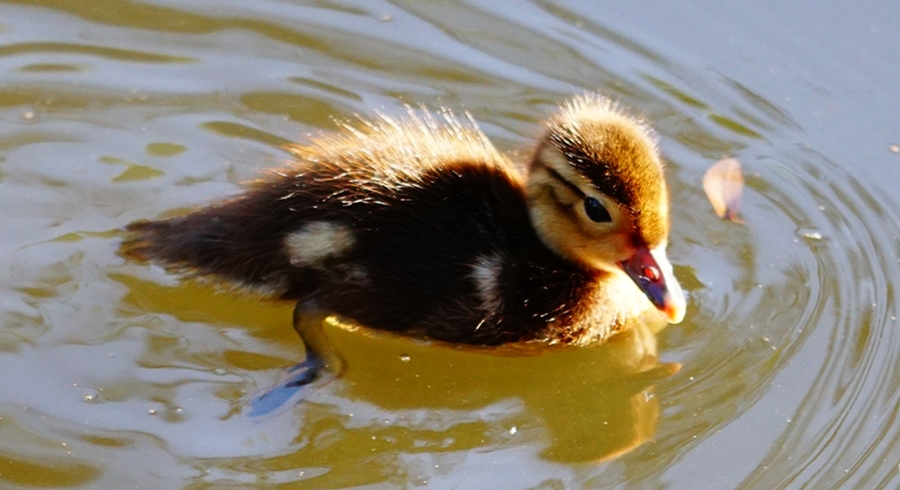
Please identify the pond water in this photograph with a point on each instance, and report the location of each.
(118, 375)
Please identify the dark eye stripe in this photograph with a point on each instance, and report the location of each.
(556, 175)
(592, 207)
(598, 173)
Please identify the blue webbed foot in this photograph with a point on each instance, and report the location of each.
(290, 391)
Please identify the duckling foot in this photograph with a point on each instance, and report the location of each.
(290, 391)
(321, 358)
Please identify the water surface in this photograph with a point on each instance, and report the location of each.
(119, 375)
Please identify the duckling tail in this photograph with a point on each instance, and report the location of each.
(220, 241)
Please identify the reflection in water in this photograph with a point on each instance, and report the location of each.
(40, 466)
(588, 404)
(401, 398)
(593, 403)
(400, 401)
(849, 241)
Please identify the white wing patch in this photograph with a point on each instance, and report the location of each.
(486, 274)
(317, 241)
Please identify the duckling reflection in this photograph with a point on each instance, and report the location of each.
(575, 404)
(578, 404)
(419, 226)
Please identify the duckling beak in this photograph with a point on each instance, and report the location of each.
(652, 272)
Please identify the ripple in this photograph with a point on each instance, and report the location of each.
(809, 346)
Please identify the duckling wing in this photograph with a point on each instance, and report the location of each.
(407, 258)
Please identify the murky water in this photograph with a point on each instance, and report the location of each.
(118, 375)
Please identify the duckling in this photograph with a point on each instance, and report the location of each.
(418, 225)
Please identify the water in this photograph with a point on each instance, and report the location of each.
(119, 375)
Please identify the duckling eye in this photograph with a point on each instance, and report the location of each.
(595, 211)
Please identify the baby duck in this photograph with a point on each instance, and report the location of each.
(420, 226)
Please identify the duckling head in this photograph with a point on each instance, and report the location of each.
(597, 196)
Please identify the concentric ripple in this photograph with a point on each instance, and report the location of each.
(846, 339)
(793, 355)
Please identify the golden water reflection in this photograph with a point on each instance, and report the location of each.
(582, 404)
